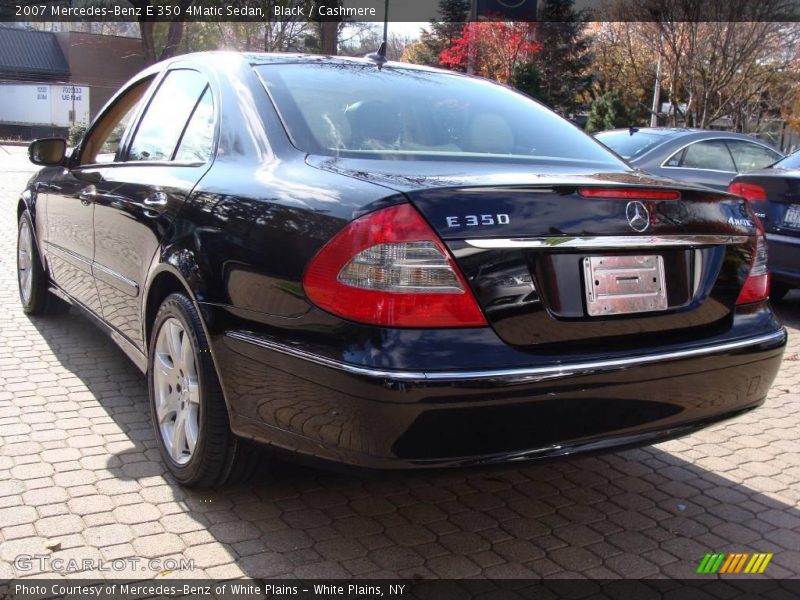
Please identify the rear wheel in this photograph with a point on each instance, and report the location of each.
(188, 410)
(778, 290)
(31, 276)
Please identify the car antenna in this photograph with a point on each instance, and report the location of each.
(379, 57)
(632, 129)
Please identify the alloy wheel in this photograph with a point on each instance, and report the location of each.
(177, 391)
(25, 261)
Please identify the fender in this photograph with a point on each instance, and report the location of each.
(28, 201)
(180, 262)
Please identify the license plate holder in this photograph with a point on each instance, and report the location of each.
(791, 217)
(619, 285)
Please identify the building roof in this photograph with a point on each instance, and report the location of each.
(26, 54)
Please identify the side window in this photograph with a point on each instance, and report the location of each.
(675, 161)
(749, 156)
(197, 141)
(165, 117)
(102, 143)
(711, 154)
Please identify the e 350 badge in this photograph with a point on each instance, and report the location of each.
(475, 220)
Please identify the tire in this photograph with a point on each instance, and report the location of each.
(188, 411)
(777, 291)
(32, 279)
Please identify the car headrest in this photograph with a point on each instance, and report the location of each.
(373, 120)
(490, 133)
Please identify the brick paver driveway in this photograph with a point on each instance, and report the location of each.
(80, 478)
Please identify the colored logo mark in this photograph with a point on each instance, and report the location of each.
(735, 562)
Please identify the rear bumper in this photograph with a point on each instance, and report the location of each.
(784, 258)
(387, 419)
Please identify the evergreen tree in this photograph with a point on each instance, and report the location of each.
(453, 14)
(608, 112)
(564, 59)
(526, 79)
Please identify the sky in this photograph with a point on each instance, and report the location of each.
(404, 29)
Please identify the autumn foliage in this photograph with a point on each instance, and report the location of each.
(496, 47)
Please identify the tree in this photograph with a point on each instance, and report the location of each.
(564, 58)
(368, 39)
(495, 48)
(721, 60)
(147, 30)
(419, 53)
(453, 14)
(624, 61)
(608, 112)
(527, 79)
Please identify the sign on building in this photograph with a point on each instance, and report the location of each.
(56, 105)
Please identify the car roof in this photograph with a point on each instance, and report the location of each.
(665, 131)
(674, 138)
(266, 58)
(672, 133)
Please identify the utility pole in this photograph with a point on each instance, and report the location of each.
(473, 18)
(657, 90)
(386, 22)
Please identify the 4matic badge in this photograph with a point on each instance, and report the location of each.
(740, 222)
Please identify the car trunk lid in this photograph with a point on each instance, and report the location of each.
(540, 249)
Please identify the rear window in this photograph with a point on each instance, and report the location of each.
(630, 145)
(400, 113)
(790, 162)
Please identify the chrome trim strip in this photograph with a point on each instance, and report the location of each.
(71, 257)
(509, 376)
(785, 239)
(114, 279)
(609, 242)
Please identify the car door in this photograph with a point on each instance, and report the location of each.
(70, 200)
(707, 162)
(139, 197)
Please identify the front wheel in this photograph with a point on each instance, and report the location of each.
(188, 410)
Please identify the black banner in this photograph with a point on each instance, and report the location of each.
(26, 11)
(733, 588)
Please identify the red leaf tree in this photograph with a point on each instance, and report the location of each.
(496, 47)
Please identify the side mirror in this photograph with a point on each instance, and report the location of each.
(48, 152)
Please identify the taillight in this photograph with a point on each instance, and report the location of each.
(749, 191)
(756, 286)
(629, 193)
(390, 268)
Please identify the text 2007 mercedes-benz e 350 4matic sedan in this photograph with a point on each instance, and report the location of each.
(391, 266)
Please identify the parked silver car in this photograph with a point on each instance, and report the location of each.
(710, 158)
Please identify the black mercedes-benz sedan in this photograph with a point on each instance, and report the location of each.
(774, 194)
(390, 266)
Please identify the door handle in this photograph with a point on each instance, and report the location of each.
(156, 200)
(87, 194)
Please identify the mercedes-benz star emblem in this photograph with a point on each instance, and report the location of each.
(638, 216)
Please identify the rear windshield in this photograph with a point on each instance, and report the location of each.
(790, 162)
(401, 113)
(629, 145)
